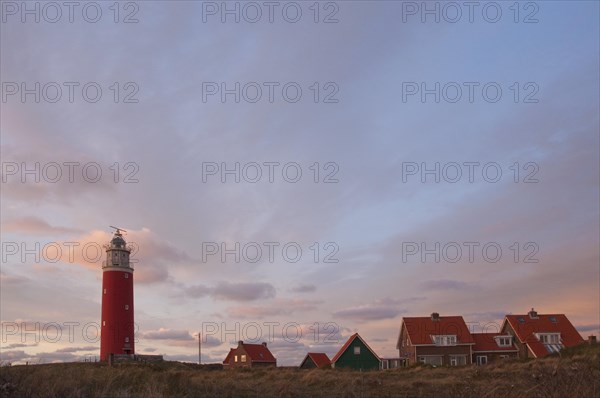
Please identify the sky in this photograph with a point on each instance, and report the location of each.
(296, 172)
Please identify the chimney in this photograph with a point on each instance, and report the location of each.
(592, 339)
(533, 314)
(240, 343)
(264, 343)
(435, 316)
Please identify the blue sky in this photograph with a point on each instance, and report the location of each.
(367, 137)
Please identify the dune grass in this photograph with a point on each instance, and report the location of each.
(575, 373)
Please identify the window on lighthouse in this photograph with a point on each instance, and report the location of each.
(126, 306)
(127, 339)
(126, 275)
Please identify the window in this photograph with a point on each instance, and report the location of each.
(504, 341)
(126, 307)
(444, 339)
(521, 319)
(357, 350)
(504, 356)
(235, 358)
(458, 360)
(549, 338)
(126, 275)
(553, 319)
(103, 323)
(127, 339)
(482, 359)
(104, 291)
(434, 360)
(243, 359)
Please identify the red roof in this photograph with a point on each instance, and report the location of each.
(487, 342)
(320, 359)
(420, 329)
(525, 328)
(259, 353)
(347, 344)
(255, 352)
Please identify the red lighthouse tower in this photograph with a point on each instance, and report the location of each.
(117, 327)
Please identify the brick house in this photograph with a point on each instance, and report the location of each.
(536, 335)
(490, 347)
(249, 355)
(435, 340)
(315, 360)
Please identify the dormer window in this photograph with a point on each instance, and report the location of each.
(449, 339)
(503, 341)
(549, 338)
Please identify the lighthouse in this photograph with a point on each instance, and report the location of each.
(117, 327)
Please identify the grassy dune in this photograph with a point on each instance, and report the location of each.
(575, 374)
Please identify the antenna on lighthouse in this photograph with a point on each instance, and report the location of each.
(118, 230)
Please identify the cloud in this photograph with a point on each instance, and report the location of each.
(167, 334)
(12, 356)
(385, 308)
(42, 357)
(179, 338)
(588, 328)
(197, 291)
(446, 284)
(304, 289)
(35, 226)
(151, 255)
(19, 345)
(6, 279)
(276, 308)
(243, 291)
(76, 349)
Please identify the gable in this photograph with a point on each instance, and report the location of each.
(347, 352)
(307, 361)
(227, 359)
(401, 335)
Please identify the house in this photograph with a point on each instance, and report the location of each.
(249, 355)
(356, 354)
(435, 340)
(536, 335)
(490, 347)
(314, 360)
(390, 363)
